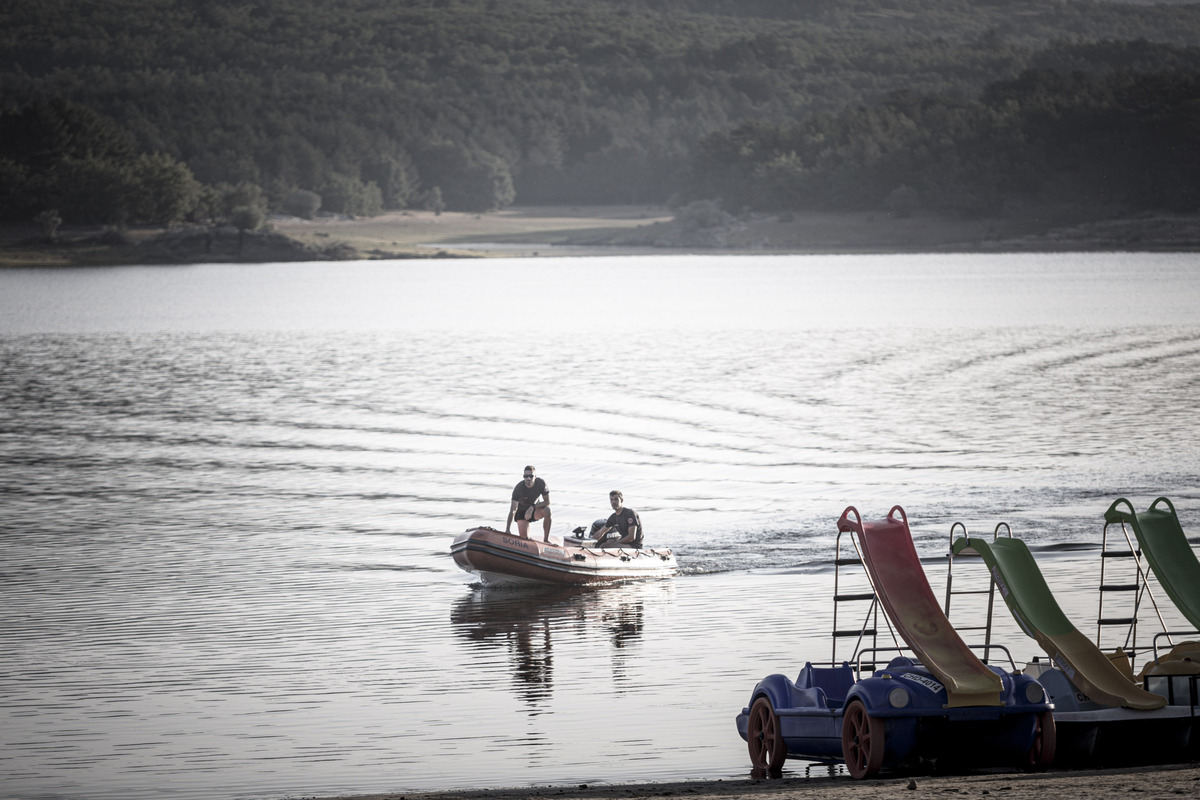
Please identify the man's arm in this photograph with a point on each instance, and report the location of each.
(609, 524)
(511, 511)
(543, 503)
(600, 534)
(631, 533)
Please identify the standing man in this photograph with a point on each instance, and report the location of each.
(525, 506)
(625, 521)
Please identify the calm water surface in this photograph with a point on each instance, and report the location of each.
(229, 492)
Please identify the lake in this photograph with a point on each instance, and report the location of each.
(230, 490)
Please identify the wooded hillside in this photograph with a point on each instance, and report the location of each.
(148, 110)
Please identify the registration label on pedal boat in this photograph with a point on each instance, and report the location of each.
(928, 683)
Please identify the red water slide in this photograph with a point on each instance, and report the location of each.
(900, 584)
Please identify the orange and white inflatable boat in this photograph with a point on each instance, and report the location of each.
(499, 557)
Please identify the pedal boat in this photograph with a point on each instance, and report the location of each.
(1103, 715)
(943, 707)
(499, 557)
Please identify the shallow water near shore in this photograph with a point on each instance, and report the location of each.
(229, 493)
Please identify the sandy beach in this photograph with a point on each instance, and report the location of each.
(633, 230)
(1152, 782)
(530, 231)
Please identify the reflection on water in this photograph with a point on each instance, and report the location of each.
(525, 622)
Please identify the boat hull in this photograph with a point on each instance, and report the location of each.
(498, 557)
(919, 727)
(1091, 734)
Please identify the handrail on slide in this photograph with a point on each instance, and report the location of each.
(904, 592)
(987, 646)
(965, 535)
(1189, 646)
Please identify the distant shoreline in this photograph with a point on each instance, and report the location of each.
(592, 231)
(1103, 784)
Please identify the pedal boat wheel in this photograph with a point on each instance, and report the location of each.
(1045, 738)
(764, 738)
(862, 741)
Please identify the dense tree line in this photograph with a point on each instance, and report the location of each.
(371, 104)
(64, 156)
(1122, 140)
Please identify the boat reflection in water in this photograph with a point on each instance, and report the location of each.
(536, 624)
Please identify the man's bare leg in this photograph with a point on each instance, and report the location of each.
(542, 511)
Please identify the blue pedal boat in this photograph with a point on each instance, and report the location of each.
(942, 705)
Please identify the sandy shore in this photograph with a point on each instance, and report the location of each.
(521, 231)
(1151, 782)
(634, 230)
(596, 231)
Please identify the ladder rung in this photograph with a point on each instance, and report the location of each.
(1116, 621)
(867, 632)
(1119, 587)
(837, 598)
(1121, 554)
(842, 562)
(971, 628)
(971, 591)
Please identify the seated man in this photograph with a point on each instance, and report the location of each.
(624, 523)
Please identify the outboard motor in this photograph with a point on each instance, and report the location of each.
(589, 533)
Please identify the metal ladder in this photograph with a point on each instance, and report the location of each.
(869, 628)
(990, 591)
(1139, 588)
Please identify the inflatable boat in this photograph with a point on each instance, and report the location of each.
(499, 557)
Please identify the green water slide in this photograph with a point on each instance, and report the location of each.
(1024, 590)
(1162, 540)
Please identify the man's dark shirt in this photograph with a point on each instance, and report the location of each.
(528, 495)
(623, 521)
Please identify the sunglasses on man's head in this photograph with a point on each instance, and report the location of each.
(528, 474)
